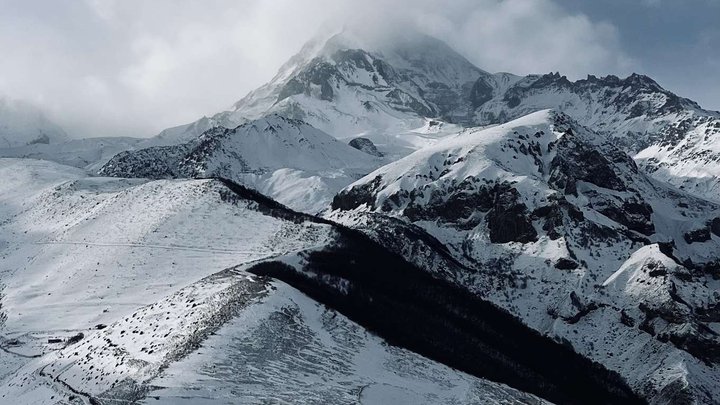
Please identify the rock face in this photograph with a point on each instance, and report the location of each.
(508, 220)
(557, 225)
(365, 145)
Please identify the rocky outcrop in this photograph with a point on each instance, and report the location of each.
(365, 145)
(697, 235)
(508, 219)
(356, 197)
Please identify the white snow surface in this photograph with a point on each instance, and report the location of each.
(521, 277)
(111, 286)
(289, 349)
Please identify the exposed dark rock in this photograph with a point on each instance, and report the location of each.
(566, 264)
(357, 196)
(711, 268)
(42, 139)
(159, 162)
(677, 392)
(583, 309)
(709, 314)
(365, 145)
(460, 208)
(318, 73)
(636, 216)
(626, 319)
(698, 235)
(553, 219)
(703, 344)
(74, 339)
(658, 272)
(509, 221)
(481, 93)
(403, 101)
(715, 226)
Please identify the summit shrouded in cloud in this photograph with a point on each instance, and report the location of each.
(106, 67)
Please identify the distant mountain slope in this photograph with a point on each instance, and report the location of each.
(284, 158)
(22, 123)
(671, 137)
(390, 90)
(348, 87)
(89, 154)
(552, 222)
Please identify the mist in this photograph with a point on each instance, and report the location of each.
(133, 67)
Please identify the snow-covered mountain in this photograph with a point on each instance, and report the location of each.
(557, 225)
(406, 92)
(349, 87)
(557, 237)
(22, 123)
(671, 137)
(284, 158)
(169, 310)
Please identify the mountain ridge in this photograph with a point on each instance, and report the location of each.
(589, 210)
(544, 215)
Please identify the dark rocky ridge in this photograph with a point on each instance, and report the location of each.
(442, 322)
(410, 308)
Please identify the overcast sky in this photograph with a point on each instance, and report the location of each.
(135, 67)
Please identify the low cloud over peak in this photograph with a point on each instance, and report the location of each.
(132, 67)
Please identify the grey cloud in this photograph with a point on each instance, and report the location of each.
(134, 67)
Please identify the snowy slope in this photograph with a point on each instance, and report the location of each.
(129, 241)
(21, 123)
(543, 216)
(405, 91)
(120, 290)
(320, 356)
(671, 137)
(286, 159)
(345, 85)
